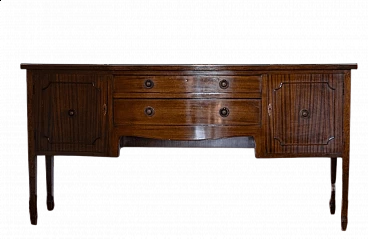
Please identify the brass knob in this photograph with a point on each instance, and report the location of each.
(304, 113)
(148, 84)
(149, 111)
(224, 84)
(71, 112)
(224, 112)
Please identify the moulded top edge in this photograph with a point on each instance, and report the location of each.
(187, 67)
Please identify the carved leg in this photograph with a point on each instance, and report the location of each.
(333, 181)
(345, 190)
(32, 169)
(50, 182)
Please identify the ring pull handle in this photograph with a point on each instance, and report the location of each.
(148, 84)
(224, 112)
(224, 84)
(71, 112)
(304, 113)
(149, 111)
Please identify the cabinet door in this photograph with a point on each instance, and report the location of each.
(71, 113)
(305, 114)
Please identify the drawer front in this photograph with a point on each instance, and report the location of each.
(187, 112)
(187, 84)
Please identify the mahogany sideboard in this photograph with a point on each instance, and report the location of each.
(280, 110)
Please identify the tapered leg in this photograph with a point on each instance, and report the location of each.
(50, 182)
(345, 190)
(333, 181)
(32, 169)
(346, 152)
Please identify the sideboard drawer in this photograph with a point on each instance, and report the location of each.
(187, 112)
(187, 84)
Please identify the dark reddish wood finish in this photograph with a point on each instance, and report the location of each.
(333, 189)
(66, 102)
(187, 112)
(301, 105)
(186, 84)
(280, 110)
(50, 182)
(346, 153)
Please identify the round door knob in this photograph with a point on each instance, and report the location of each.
(304, 113)
(149, 111)
(224, 112)
(148, 84)
(224, 84)
(71, 113)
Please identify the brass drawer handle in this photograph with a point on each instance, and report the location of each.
(224, 112)
(71, 112)
(304, 113)
(224, 84)
(149, 84)
(149, 111)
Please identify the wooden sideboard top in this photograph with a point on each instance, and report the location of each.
(194, 67)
